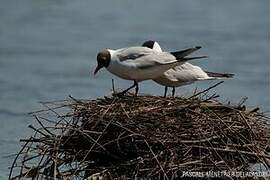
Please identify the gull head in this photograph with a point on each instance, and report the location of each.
(152, 45)
(103, 59)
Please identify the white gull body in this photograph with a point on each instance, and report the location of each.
(185, 73)
(140, 63)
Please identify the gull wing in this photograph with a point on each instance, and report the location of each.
(188, 72)
(155, 59)
(132, 53)
(185, 52)
(144, 57)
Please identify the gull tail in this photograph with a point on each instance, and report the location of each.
(183, 53)
(219, 75)
(191, 58)
(185, 59)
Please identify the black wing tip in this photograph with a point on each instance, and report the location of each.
(204, 56)
(198, 47)
(230, 75)
(196, 57)
(220, 75)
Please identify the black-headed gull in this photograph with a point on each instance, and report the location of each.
(138, 63)
(184, 73)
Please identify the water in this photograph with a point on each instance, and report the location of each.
(48, 49)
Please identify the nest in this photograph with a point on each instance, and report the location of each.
(145, 137)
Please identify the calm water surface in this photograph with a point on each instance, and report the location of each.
(48, 49)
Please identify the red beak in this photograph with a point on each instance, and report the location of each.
(97, 69)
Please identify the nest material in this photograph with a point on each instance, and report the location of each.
(142, 137)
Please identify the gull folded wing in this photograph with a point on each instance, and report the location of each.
(184, 53)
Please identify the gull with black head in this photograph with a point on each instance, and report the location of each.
(137, 63)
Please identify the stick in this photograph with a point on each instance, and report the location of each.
(155, 156)
(206, 90)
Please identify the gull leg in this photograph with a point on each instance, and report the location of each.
(126, 90)
(165, 92)
(136, 88)
(173, 91)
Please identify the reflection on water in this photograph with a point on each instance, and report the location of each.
(48, 50)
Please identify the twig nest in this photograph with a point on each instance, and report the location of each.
(143, 137)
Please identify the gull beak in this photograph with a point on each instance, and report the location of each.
(97, 69)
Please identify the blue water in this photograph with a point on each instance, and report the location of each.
(48, 49)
